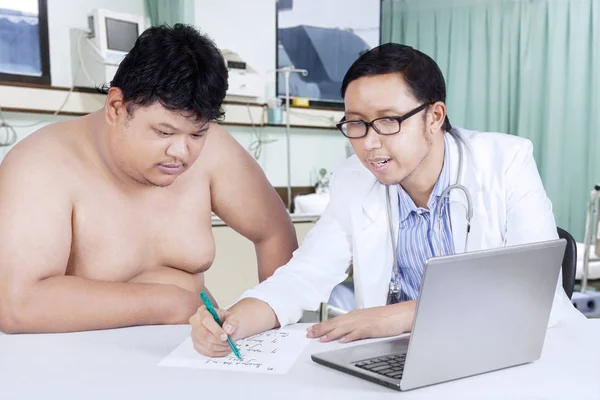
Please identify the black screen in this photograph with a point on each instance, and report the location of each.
(120, 35)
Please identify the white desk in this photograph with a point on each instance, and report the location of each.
(121, 364)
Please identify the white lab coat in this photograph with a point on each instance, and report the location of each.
(510, 207)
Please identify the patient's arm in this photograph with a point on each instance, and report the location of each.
(35, 243)
(243, 197)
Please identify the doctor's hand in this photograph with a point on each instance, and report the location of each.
(208, 337)
(390, 320)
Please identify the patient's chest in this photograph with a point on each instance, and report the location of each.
(116, 238)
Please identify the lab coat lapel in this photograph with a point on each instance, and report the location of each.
(373, 250)
(458, 200)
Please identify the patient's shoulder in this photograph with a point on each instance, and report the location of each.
(222, 148)
(47, 154)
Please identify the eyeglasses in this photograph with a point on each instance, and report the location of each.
(384, 126)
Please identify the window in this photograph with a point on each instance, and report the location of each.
(325, 38)
(24, 41)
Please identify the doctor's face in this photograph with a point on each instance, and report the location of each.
(391, 158)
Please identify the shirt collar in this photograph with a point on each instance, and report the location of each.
(407, 205)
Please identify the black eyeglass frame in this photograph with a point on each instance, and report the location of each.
(400, 119)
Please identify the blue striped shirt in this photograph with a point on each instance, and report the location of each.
(418, 240)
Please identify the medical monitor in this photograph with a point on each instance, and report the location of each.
(114, 34)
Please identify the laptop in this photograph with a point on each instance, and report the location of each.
(476, 312)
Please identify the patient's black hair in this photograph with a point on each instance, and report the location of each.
(177, 66)
(421, 74)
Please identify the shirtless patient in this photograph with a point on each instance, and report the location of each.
(105, 220)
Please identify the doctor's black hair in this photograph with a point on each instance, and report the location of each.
(179, 67)
(419, 71)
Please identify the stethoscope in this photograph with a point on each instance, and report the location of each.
(394, 282)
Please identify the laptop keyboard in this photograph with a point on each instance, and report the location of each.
(391, 366)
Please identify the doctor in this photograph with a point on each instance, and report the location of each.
(407, 158)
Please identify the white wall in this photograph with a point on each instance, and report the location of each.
(246, 27)
(311, 149)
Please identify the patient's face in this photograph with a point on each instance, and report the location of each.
(154, 145)
(391, 158)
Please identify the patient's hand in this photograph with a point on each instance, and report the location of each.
(366, 323)
(208, 337)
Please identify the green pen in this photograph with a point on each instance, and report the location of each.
(212, 312)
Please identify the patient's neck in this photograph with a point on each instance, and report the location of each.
(100, 136)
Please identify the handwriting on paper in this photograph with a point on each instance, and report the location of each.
(265, 343)
(273, 351)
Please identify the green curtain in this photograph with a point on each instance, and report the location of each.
(528, 68)
(170, 12)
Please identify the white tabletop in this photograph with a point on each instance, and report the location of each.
(122, 363)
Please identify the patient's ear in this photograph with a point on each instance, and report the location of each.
(114, 108)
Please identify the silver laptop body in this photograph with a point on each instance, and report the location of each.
(477, 312)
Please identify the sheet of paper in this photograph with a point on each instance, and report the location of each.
(271, 352)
